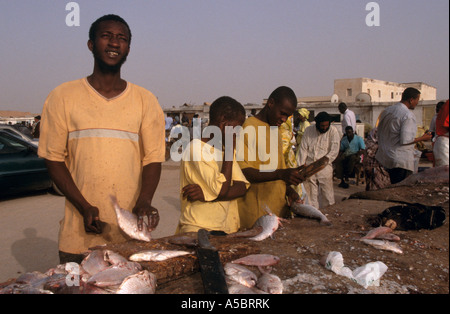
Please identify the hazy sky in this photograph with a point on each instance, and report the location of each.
(194, 51)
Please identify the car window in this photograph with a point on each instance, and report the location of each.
(9, 145)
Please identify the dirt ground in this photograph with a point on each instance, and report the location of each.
(423, 268)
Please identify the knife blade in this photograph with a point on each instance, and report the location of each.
(211, 269)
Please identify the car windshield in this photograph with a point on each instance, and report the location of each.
(9, 145)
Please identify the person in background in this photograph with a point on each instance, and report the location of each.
(319, 140)
(433, 120)
(441, 145)
(36, 127)
(211, 184)
(352, 147)
(271, 179)
(349, 118)
(102, 136)
(397, 129)
(376, 176)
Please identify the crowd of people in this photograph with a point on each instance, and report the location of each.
(31, 130)
(101, 135)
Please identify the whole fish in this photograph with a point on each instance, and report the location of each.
(128, 223)
(240, 274)
(270, 283)
(310, 212)
(143, 282)
(95, 262)
(261, 260)
(375, 233)
(269, 222)
(114, 275)
(384, 245)
(156, 255)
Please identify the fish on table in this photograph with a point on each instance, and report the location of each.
(143, 282)
(114, 275)
(240, 274)
(261, 260)
(156, 255)
(270, 283)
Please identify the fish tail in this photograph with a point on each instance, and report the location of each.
(267, 209)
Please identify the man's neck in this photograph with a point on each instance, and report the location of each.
(262, 115)
(108, 85)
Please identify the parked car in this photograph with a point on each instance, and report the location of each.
(21, 170)
(21, 131)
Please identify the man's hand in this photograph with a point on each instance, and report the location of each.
(193, 192)
(291, 176)
(91, 219)
(143, 209)
(292, 196)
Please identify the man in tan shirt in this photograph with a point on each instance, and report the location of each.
(102, 135)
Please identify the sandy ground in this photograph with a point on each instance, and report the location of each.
(29, 224)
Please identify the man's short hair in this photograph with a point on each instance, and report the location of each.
(226, 107)
(409, 93)
(108, 17)
(348, 127)
(342, 106)
(322, 117)
(282, 93)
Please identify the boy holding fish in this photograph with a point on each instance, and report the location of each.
(210, 177)
(270, 178)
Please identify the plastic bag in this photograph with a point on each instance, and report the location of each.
(367, 275)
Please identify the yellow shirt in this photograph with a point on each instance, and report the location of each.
(105, 143)
(206, 172)
(272, 193)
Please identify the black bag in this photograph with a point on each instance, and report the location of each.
(413, 216)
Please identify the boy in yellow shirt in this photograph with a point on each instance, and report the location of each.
(270, 179)
(210, 178)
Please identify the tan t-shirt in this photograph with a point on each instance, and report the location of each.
(105, 144)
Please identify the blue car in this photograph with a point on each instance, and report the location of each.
(21, 170)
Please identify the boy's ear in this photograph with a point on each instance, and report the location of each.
(90, 45)
(270, 103)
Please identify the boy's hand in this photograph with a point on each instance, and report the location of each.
(193, 192)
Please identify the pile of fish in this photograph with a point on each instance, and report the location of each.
(241, 280)
(101, 272)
